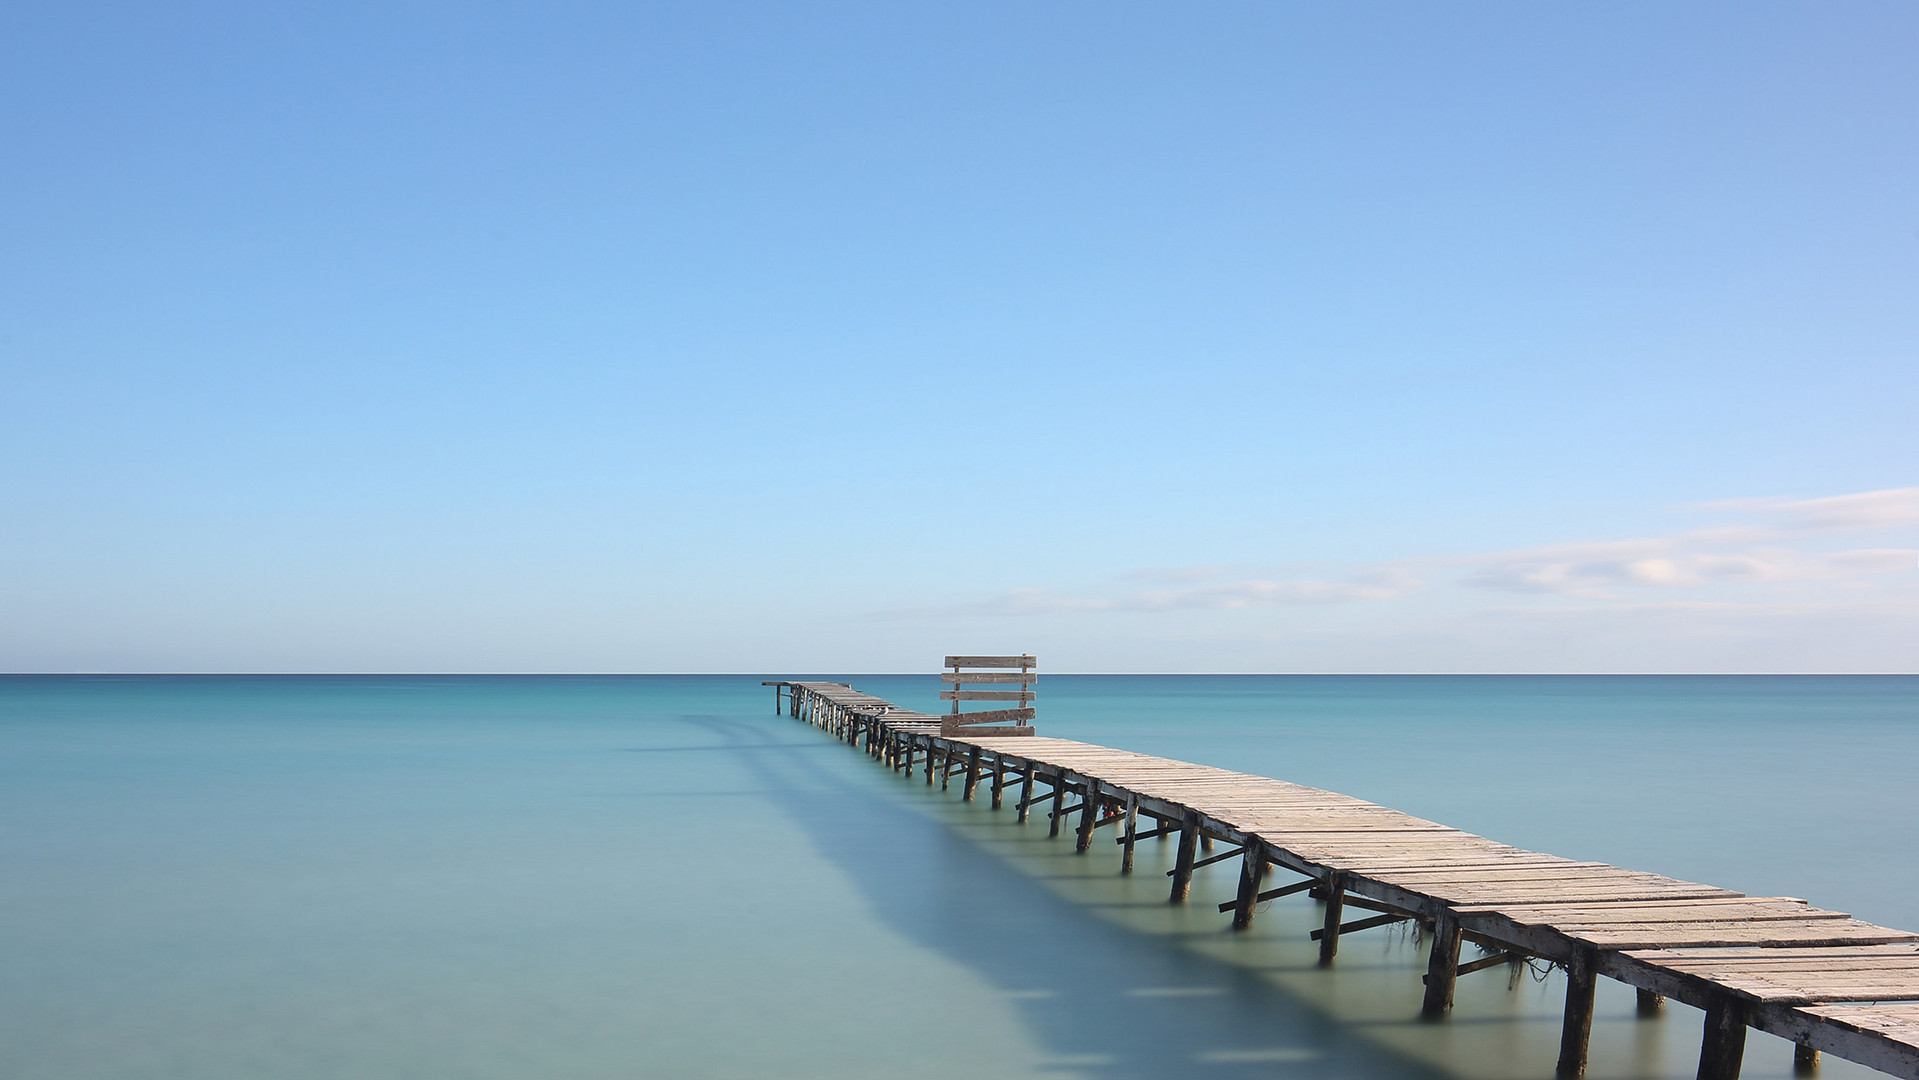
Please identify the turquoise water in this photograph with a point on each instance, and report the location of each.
(656, 876)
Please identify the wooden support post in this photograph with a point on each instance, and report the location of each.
(1805, 1060)
(1252, 870)
(1651, 1004)
(1329, 930)
(1132, 824)
(1205, 842)
(932, 755)
(1059, 796)
(1723, 1047)
(946, 768)
(909, 756)
(1183, 865)
(1576, 1034)
(1025, 791)
(1442, 967)
(972, 775)
(1088, 814)
(999, 780)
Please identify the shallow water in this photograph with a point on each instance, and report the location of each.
(657, 876)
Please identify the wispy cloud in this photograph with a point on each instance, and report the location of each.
(1860, 510)
(1770, 541)
(1769, 547)
(1374, 583)
(1598, 569)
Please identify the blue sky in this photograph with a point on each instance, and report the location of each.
(834, 337)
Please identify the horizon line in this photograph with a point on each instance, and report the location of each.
(929, 674)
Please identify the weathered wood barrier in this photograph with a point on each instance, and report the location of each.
(1821, 979)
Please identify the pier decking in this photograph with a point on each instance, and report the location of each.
(1821, 979)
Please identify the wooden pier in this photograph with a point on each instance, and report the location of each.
(1821, 979)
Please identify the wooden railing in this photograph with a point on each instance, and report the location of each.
(966, 674)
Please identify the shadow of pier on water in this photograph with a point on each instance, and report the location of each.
(1109, 986)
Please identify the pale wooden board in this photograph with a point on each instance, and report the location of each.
(1799, 975)
(987, 716)
(1775, 933)
(991, 661)
(1729, 909)
(1895, 1020)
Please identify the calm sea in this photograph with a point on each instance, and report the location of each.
(216, 877)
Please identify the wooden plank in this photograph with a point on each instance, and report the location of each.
(1895, 1022)
(964, 678)
(1274, 894)
(1793, 976)
(1504, 959)
(1208, 861)
(991, 661)
(988, 695)
(988, 716)
(1880, 1036)
(1744, 908)
(987, 732)
(1365, 924)
(1773, 934)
